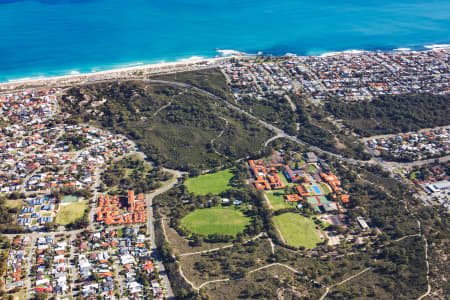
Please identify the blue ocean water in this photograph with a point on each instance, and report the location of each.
(56, 37)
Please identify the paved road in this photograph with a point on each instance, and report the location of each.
(278, 131)
(151, 229)
(389, 166)
(272, 139)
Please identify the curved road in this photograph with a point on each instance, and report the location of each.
(388, 166)
(279, 133)
(151, 229)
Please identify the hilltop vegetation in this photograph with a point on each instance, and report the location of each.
(172, 126)
(312, 123)
(211, 80)
(393, 113)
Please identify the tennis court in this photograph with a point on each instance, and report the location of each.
(69, 199)
(323, 200)
(313, 201)
(317, 202)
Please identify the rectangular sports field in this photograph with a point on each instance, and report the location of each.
(214, 183)
(276, 199)
(297, 230)
(69, 213)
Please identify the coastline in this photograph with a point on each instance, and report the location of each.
(181, 65)
(125, 72)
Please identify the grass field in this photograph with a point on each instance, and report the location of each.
(326, 190)
(277, 200)
(284, 179)
(210, 183)
(70, 212)
(17, 204)
(297, 230)
(311, 168)
(223, 220)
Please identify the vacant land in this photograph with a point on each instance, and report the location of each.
(267, 283)
(132, 173)
(215, 183)
(222, 220)
(297, 230)
(230, 262)
(16, 204)
(70, 213)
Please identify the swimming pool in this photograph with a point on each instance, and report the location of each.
(317, 190)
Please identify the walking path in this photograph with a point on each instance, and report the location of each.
(250, 272)
(279, 133)
(342, 282)
(218, 137)
(420, 233)
(224, 247)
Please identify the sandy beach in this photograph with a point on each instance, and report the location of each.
(189, 64)
(120, 73)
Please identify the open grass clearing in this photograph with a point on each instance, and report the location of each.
(70, 212)
(222, 220)
(276, 199)
(297, 230)
(325, 188)
(214, 183)
(284, 179)
(181, 245)
(311, 168)
(17, 204)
